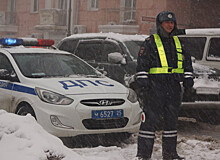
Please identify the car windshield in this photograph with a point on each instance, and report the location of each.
(38, 65)
(134, 47)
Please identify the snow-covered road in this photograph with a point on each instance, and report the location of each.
(22, 138)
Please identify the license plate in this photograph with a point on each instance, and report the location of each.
(205, 90)
(105, 114)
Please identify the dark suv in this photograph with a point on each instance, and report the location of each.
(111, 53)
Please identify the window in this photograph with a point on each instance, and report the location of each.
(109, 48)
(134, 47)
(214, 50)
(37, 65)
(62, 4)
(89, 51)
(93, 5)
(129, 11)
(10, 16)
(195, 46)
(69, 45)
(34, 6)
(5, 64)
(11, 6)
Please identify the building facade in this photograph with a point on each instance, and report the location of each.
(55, 19)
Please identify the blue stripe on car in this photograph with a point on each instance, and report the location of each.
(24, 89)
(16, 87)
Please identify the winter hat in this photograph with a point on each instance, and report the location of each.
(165, 16)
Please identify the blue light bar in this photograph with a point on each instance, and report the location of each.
(11, 41)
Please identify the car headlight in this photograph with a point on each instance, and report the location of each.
(132, 96)
(52, 97)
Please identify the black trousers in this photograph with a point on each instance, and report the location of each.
(162, 101)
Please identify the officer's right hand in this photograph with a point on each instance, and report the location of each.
(143, 82)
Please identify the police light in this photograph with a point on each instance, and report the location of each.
(45, 42)
(11, 41)
(26, 42)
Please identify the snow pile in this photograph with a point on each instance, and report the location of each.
(22, 138)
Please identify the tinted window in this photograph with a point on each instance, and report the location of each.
(195, 46)
(69, 45)
(5, 64)
(109, 48)
(134, 47)
(89, 51)
(214, 50)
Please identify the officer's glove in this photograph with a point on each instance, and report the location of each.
(188, 90)
(143, 83)
(188, 83)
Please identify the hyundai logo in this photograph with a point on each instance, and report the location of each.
(105, 102)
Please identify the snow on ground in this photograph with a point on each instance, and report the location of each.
(22, 138)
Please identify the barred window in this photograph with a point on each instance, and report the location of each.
(93, 5)
(129, 11)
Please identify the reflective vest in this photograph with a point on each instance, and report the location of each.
(165, 69)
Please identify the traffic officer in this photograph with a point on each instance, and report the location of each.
(162, 65)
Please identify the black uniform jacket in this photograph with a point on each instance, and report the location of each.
(148, 57)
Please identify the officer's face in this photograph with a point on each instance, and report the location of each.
(168, 26)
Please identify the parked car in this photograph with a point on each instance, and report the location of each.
(111, 53)
(117, 55)
(67, 96)
(204, 45)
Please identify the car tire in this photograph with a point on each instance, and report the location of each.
(24, 109)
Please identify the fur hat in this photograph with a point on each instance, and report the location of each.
(165, 16)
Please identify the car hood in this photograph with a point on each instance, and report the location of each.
(204, 70)
(76, 86)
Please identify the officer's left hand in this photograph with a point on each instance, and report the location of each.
(188, 83)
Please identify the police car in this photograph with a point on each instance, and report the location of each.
(66, 95)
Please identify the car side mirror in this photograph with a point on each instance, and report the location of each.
(193, 59)
(116, 57)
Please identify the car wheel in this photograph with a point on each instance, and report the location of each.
(24, 109)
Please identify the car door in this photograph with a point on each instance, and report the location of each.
(5, 85)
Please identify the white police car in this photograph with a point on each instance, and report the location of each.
(66, 95)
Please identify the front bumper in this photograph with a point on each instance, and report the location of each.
(76, 118)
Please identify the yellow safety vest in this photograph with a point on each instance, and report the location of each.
(165, 69)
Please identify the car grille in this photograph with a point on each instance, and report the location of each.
(103, 102)
(105, 123)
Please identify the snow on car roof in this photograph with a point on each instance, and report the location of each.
(22, 49)
(118, 36)
(203, 31)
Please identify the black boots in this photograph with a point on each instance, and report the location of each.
(173, 156)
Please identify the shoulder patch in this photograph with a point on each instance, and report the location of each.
(141, 52)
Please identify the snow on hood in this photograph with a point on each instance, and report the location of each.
(80, 85)
(202, 69)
